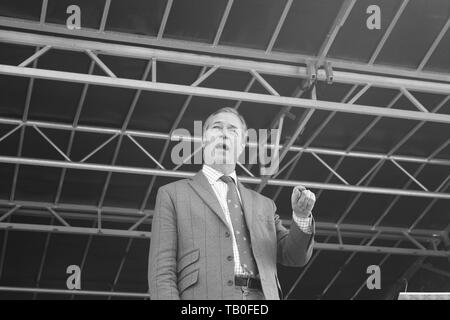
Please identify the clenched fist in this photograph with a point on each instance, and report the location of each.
(302, 201)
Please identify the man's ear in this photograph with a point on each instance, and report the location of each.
(203, 139)
(244, 138)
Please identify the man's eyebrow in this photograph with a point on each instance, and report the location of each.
(221, 122)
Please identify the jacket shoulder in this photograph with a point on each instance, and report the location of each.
(174, 187)
(260, 197)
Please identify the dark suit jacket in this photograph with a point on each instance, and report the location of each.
(190, 243)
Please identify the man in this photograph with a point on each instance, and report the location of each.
(213, 238)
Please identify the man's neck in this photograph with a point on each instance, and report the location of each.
(226, 169)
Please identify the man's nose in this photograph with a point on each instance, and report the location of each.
(224, 132)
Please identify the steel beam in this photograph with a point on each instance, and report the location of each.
(75, 292)
(166, 136)
(222, 23)
(217, 50)
(186, 174)
(73, 230)
(341, 17)
(280, 24)
(165, 17)
(386, 35)
(104, 15)
(226, 63)
(224, 94)
(147, 235)
(43, 12)
(433, 47)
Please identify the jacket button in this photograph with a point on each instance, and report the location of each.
(230, 283)
(229, 258)
(227, 234)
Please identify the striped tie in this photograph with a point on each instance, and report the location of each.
(240, 228)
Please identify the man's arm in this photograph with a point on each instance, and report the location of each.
(294, 246)
(162, 270)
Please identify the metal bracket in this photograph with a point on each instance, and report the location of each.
(329, 72)
(311, 79)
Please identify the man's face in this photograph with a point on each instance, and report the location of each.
(223, 139)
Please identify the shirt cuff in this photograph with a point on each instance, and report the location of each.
(303, 223)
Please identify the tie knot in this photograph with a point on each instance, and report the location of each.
(226, 179)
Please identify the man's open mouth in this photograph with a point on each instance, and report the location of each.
(223, 146)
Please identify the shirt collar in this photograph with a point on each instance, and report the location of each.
(213, 175)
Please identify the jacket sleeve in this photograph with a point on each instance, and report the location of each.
(162, 269)
(294, 247)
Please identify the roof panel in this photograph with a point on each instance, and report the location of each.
(134, 271)
(104, 257)
(195, 20)
(10, 145)
(90, 12)
(37, 183)
(125, 190)
(7, 172)
(54, 101)
(408, 51)
(392, 270)
(440, 61)
(325, 267)
(252, 22)
(352, 277)
(355, 41)
(106, 106)
(385, 135)
(136, 16)
(437, 217)
(24, 257)
(14, 89)
(23, 9)
(307, 25)
(82, 187)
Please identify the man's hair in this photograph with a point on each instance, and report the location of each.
(225, 110)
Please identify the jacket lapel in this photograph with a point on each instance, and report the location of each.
(202, 187)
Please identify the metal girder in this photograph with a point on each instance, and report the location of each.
(280, 24)
(377, 249)
(105, 15)
(147, 235)
(435, 44)
(343, 231)
(223, 22)
(130, 216)
(246, 53)
(76, 292)
(73, 230)
(341, 17)
(186, 174)
(224, 94)
(165, 17)
(168, 137)
(226, 63)
(389, 29)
